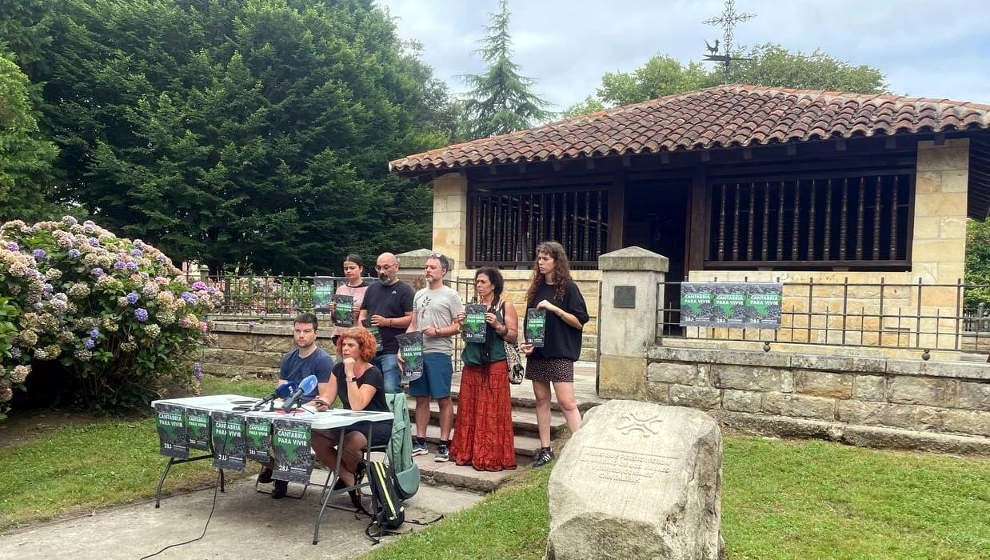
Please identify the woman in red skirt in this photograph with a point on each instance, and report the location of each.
(483, 429)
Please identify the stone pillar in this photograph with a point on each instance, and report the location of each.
(411, 265)
(450, 216)
(627, 322)
(938, 246)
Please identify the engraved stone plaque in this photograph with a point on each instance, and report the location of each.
(638, 480)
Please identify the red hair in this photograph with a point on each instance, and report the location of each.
(365, 341)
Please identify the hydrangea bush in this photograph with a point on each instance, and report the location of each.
(119, 318)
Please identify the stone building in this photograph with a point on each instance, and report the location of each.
(851, 200)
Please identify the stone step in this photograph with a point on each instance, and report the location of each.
(526, 446)
(523, 419)
(451, 474)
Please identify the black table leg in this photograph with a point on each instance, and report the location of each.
(168, 466)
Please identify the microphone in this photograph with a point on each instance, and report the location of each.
(306, 386)
(280, 392)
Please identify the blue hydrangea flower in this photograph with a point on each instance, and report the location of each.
(199, 286)
(136, 252)
(94, 242)
(132, 266)
(39, 254)
(132, 298)
(119, 265)
(198, 371)
(97, 272)
(89, 344)
(188, 297)
(94, 333)
(141, 314)
(11, 246)
(73, 253)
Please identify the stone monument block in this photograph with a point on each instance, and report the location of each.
(638, 481)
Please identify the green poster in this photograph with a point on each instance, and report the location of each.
(290, 443)
(228, 440)
(375, 332)
(536, 327)
(323, 288)
(198, 429)
(258, 438)
(172, 438)
(344, 314)
(474, 322)
(411, 349)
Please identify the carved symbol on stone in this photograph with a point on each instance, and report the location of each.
(631, 423)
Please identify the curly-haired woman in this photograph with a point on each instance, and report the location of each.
(360, 386)
(552, 289)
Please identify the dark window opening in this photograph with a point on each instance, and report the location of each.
(860, 221)
(504, 226)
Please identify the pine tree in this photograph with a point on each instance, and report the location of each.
(500, 100)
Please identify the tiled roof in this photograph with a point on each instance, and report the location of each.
(719, 117)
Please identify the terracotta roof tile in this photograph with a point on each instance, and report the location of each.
(719, 117)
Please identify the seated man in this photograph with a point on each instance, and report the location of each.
(305, 360)
(360, 386)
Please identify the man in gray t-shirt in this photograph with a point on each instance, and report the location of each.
(434, 310)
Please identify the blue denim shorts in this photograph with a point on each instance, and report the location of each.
(438, 369)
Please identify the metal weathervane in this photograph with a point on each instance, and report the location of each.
(727, 21)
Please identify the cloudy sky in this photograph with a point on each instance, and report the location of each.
(927, 48)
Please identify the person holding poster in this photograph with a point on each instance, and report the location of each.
(360, 386)
(387, 307)
(435, 309)
(483, 435)
(552, 290)
(305, 360)
(354, 286)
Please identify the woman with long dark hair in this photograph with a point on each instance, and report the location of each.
(354, 285)
(483, 431)
(551, 288)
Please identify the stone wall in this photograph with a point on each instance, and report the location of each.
(252, 348)
(877, 402)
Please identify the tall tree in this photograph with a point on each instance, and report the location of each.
(247, 133)
(765, 65)
(501, 100)
(25, 157)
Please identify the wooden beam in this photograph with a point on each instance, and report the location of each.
(939, 138)
(697, 222)
(616, 213)
(556, 165)
(589, 164)
(748, 154)
(491, 169)
(522, 167)
(840, 144)
(890, 143)
(792, 149)
(665, 157)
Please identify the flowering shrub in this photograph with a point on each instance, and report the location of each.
(119, 319)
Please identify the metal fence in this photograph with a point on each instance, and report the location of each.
(889, 315)
(267, 294)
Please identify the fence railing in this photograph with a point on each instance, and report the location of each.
(889, 315)
(267, 294)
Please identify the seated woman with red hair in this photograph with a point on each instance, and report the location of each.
(360, 386)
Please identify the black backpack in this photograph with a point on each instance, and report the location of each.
(387, 511)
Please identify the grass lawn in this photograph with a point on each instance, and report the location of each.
(780, 500)
(51, 470)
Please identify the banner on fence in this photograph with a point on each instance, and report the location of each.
(172, 438)
(731, 304)
(290, 442)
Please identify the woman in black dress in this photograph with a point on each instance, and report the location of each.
(360, 386)
(552, 289)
